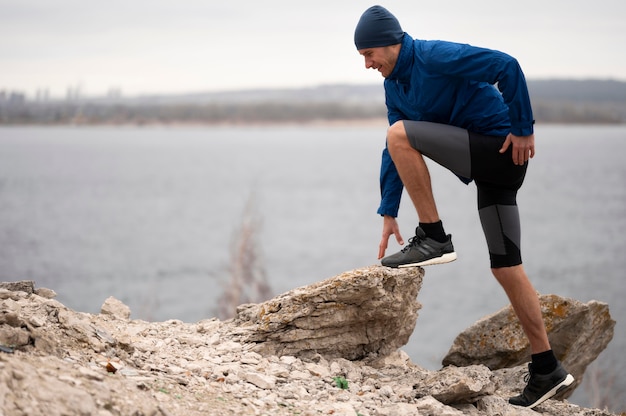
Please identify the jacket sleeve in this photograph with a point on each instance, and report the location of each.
(487, 65)
(390, 187)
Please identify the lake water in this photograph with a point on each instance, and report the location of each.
(148, 215)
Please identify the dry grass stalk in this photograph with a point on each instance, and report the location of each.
(247, 276)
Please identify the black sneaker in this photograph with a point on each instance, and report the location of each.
(422, 251)
(541, 387)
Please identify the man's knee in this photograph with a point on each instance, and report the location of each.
(509, 276)
(396, 137)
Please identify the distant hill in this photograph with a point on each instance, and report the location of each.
(323, 93)
(580, 91)
(554, 101)
(553, 89)
(587, 101)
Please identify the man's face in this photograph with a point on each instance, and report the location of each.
(382, 59)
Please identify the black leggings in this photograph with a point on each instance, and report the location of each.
(476, 156)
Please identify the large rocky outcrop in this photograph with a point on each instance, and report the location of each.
(578, 333)
(282, 357)
(352, 315)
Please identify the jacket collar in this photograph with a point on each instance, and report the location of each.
(404, 65)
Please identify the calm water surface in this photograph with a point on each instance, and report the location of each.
(148, 215)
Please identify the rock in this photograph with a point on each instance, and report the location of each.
(27, 286)
(430, 406)
(458, 385)
(10, 317)
(46, 293)
(115, 308)
(77, 363)
(496, 406)
(262, 381)
(352, 315)
(398, 409)
(578, 332)
(397, 358)
(14, 337)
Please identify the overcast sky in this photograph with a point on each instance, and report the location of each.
(177, 46)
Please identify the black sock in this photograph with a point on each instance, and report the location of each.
(434, 230)
(544, 362)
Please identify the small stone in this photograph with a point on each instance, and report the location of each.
(262, 381)
(251, 358)
(386, 391)
(318, 370)
(278, 370)
(37, 320)
(288, 359)
(115, 308)
(46, 293)
(91, 374)
(27, 286)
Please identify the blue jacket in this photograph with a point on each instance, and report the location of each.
(452, 83)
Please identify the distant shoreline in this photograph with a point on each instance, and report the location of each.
(343, 123)
(553, 101)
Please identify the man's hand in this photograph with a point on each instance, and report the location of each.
(523, 147)
(390, 226)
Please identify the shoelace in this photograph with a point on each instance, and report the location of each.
(528, 374)
(413, 241)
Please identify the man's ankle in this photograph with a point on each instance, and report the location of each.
(544, 362)
(434, 230)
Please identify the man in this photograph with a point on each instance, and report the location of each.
(442, 103)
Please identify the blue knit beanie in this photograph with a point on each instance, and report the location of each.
(377, 27)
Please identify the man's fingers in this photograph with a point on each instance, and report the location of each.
(523, 148)
(382, 247)
(390, 226)
(522, 156)
(505, 145)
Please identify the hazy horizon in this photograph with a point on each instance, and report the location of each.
(177, 47)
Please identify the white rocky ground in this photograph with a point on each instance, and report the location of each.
(57, 361)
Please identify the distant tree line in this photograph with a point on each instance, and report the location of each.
(271, 112)
(228, 113)
(559, 111)
(554, 101)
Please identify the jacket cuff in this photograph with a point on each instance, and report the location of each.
(385, 210)
(523, 129)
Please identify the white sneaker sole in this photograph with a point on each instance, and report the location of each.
(446, 258)
(556, 389)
